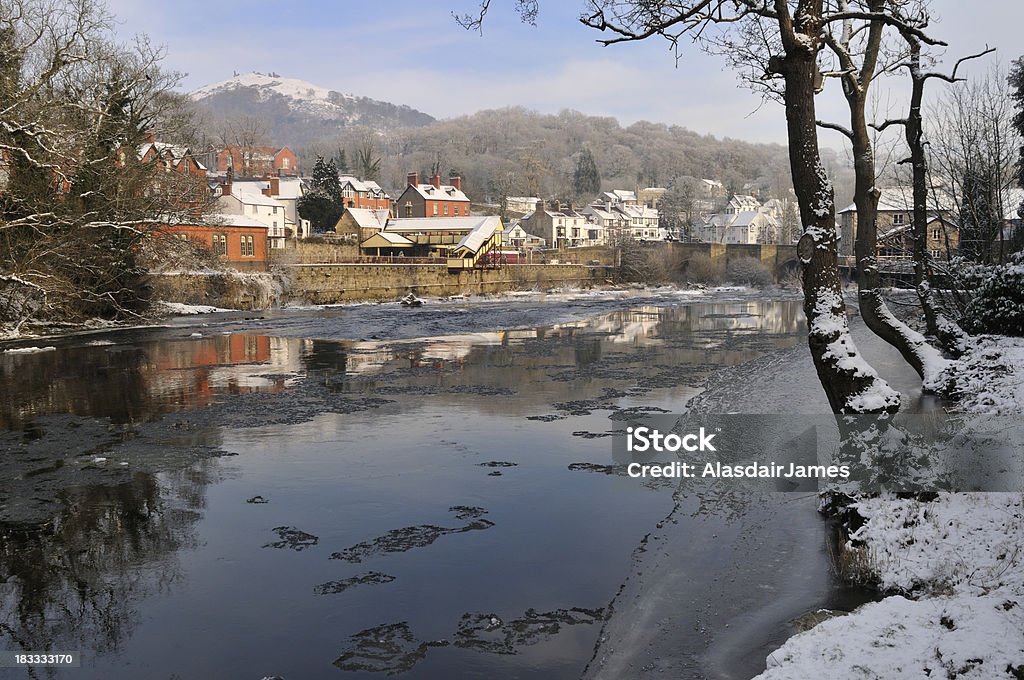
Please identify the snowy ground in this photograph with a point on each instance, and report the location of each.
(961, 557)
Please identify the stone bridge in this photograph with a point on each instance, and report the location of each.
(781, 260)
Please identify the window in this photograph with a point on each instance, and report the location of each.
(285, 162)
(456, 210)
(275, 209)
(446, 210)
(936, 233)
(181, 236)
(435, 209)
(220, 244)
(899, 219)
(408, 209)
(248, 246)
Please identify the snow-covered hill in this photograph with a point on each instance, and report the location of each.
(298, 112)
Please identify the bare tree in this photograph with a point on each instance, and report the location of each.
(974, 151)
(79, 202)
(777, 44)
(858, 45)
(948, 333)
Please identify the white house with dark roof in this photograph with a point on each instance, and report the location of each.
(744, 221)
(248, 200)
(562, 226)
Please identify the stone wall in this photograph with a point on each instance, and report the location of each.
(331, 284)
(314, 251)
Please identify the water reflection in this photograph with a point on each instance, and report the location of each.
(81, 576)
(76, 581)
(132, 383)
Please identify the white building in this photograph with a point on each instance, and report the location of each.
(251, 203)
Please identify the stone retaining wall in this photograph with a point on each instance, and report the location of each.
(334, 283)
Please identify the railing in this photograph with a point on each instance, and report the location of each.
(380, 259)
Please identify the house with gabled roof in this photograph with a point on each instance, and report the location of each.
(358, 224)
(360, 193)
(561, 225)
(257, 161)
(432, 199)
(249, 201)
(895, 210)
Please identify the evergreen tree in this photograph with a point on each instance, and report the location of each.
(322, 203)
(341, 161)
(586, 181)
(979, 215)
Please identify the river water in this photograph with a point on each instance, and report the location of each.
(368, 490)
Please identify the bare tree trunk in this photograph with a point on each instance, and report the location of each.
(877, 316)
(851, 385)
(945, 330)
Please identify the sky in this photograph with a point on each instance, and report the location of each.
(412, 52)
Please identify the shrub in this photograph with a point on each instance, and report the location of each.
(998, 304)
(748, 271)
(702, 269)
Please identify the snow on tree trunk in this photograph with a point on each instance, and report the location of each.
(851, 384)
(857, 79)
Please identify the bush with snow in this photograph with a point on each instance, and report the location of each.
(998, 304)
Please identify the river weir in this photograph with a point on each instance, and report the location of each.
(368, 490)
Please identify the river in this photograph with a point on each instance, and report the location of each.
(366, 490)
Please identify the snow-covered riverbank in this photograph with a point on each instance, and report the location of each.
(955, 562)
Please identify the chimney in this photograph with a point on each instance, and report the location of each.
(540, 206)
(558, 206)
(149, 137)
(275, 186)
(456, 182)
(225, 186)
(436, 181)
(413, 178)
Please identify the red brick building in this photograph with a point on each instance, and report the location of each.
(238, 241)
(433, 199)
(257, 161)
(366, 194)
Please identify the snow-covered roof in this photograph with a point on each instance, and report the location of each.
(446, 193)
(367, 218)
(393, 237)
(619, 195)
(425, 224)
(362, 185)
(251, 195)
(480, 234)
(227, 220)
(289, 188)
(901, 199)
(177, 153)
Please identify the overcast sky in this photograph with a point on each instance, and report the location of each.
(412, 52)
